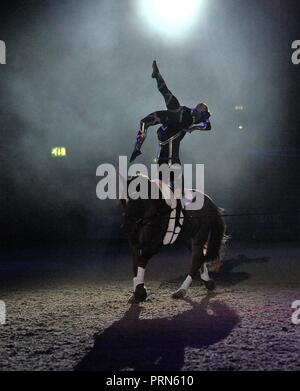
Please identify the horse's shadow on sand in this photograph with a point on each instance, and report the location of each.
(226, 276)
(159, 344)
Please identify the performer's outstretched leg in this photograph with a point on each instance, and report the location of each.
(171, 101)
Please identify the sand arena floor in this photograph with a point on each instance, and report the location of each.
(67, 310)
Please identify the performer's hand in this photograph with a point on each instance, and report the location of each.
(155, 69)
(134, 155)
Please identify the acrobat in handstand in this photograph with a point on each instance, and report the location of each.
(175, 122)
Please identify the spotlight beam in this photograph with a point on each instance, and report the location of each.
(170, 18)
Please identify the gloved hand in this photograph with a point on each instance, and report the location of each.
(134, 155)
(155, 72)
(205, 125)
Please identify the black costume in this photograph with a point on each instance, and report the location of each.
(175, 121)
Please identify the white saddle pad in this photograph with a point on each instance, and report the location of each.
(173, 231)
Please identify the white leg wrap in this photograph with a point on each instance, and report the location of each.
(186, 284)
(134, 283)
(139, 279)
(204, 273)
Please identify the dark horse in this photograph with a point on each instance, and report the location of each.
(146, 222)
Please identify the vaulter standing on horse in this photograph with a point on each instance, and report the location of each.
(175, 122)
(151, 223)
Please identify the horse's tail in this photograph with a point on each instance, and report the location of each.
(217, 236)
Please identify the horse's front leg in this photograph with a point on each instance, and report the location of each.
(147, 244)
(140, 260)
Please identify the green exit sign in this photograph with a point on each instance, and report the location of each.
(59, 152)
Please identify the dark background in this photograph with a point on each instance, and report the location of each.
(78, 75)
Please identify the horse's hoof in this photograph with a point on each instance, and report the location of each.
(139, 295)
(180, 294)
(210, 285)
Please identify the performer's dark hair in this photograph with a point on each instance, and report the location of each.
(204, 105)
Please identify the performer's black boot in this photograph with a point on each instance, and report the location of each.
(155, 72)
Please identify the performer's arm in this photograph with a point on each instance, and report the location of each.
(200, 121)
(152, 119)
(140, 138)
(202, 126)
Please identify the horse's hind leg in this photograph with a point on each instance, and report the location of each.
(197, 261)
(199, 242)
